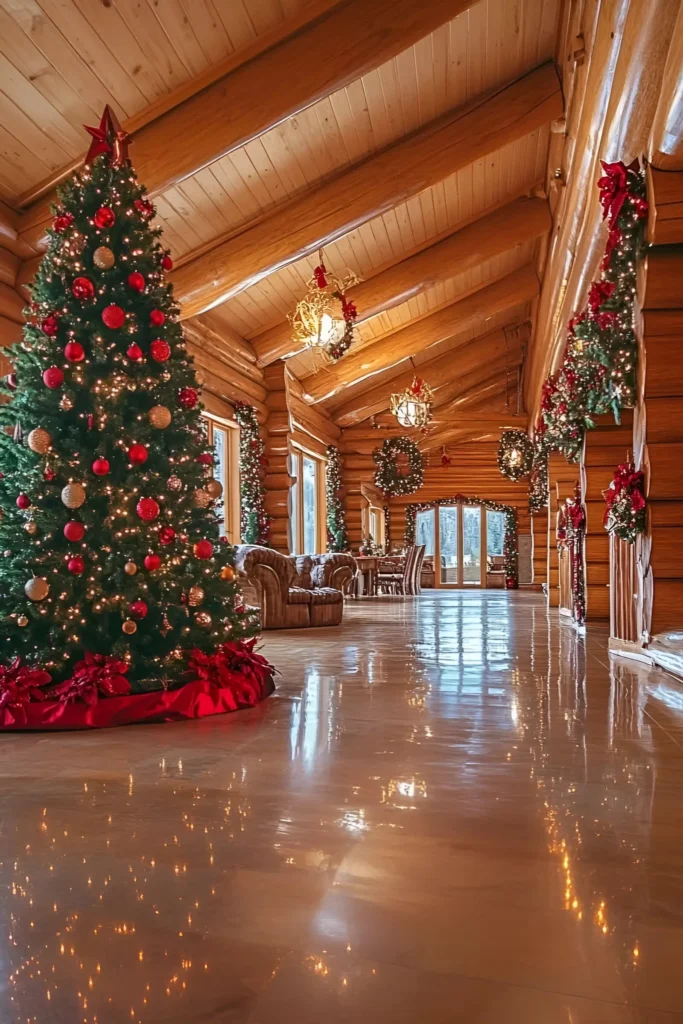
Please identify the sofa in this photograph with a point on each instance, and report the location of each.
(296, 591)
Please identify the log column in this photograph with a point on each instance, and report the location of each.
(563, 477)
(278, 480)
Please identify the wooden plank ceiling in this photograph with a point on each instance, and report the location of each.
(62, 60)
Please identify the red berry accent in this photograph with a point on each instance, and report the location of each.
(188, 398)
(203, 549)
(136, 281)
(144, 208)
(147, 509)
(152, 562)
(166, 535)
(53, 378)
(134, 353)
(76, 565)
(23, 501)
(74, 352)
(62, 222)
(113, 317)
(101, 467)
(82, 288)
(167, 262)
(157, 318)
(137, 454)
(205, 459)
(74, 531)
(49, 473)
(138, 609)
(11, 381)
(160, 350)
(104, 217)
(49, 326)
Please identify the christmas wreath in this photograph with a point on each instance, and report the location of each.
(515, 454)
(388, 476)
(625, 500)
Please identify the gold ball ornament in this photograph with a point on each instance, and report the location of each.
(203, 619)
(36, 589)
(227, 573)
(174, 483)
(195, 596)
(73, 495)
(129, 627)
(130, 568)
(214, 488)
(22, 620)
(31, 526)
(39, 441)
(160, 417)
(201, 499)
(103, 258)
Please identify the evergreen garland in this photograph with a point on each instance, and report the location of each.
(510, 551)
(538, 480)
(337, 537)
(599, 366)
(388, 476)
(254, 522)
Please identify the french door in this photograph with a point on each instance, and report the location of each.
(455, 537)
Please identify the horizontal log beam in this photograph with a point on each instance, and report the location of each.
(377, 184)
(519, 221)
(520, 286)
(9, 267)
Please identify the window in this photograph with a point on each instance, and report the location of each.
(424, 530)
(495, 532)
(306, 504)
(223, 437)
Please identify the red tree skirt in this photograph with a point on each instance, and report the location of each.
(198, 699)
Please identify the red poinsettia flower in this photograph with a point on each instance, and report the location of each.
(637, 501)
(20, 684)
(97, 675)
(599, 292)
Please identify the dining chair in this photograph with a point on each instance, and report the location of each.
(395, 579)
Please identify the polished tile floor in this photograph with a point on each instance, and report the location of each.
(453, 810)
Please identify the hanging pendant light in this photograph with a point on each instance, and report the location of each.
(325, 318)
(413, 407)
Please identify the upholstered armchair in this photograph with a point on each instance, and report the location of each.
(287, 589)
(334, 569)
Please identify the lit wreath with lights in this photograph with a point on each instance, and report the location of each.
(515, 454)
(388, 476)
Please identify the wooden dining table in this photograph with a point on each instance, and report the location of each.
(368, 566)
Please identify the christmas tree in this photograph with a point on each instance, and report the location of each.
(109, 541)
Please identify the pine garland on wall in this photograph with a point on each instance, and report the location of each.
(337, 537)
(599, 366)
(254, 521)
(538, 480)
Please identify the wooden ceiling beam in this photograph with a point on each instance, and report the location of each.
(521, 220)
(223, 268)
(520, 286)
(477, 426)
(449, 374)
(322, 49)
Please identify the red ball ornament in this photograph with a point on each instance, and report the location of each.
(167, 262)
(152, 562)
(74, 531)
(11, 381)
(49, 474)
(82, 288)
(101, 467)
(166, 535)
(23, 501)
(104, 217)
(113, 317)
(76, 565)
(49, 326)
(53, 377)
(74, 352)
(62, 222)
(136, 281)
(137, 454)
(138, 609)
(188, 398)
(144, 208)
(160, 350)
(147, 509)
(157, 318)
(134, 353)
(206, 459)
(203, 549)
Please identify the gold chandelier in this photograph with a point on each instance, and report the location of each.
(325, 318)
(413, 407)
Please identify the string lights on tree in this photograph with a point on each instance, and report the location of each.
(337, 537)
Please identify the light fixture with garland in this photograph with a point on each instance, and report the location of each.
(325, 318)
(413, 407)
(515, 454)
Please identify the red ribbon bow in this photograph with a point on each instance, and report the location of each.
(320, 275)
(614, 188)
(97, 675)
(21, 684)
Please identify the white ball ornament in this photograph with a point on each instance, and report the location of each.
(73, 495)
